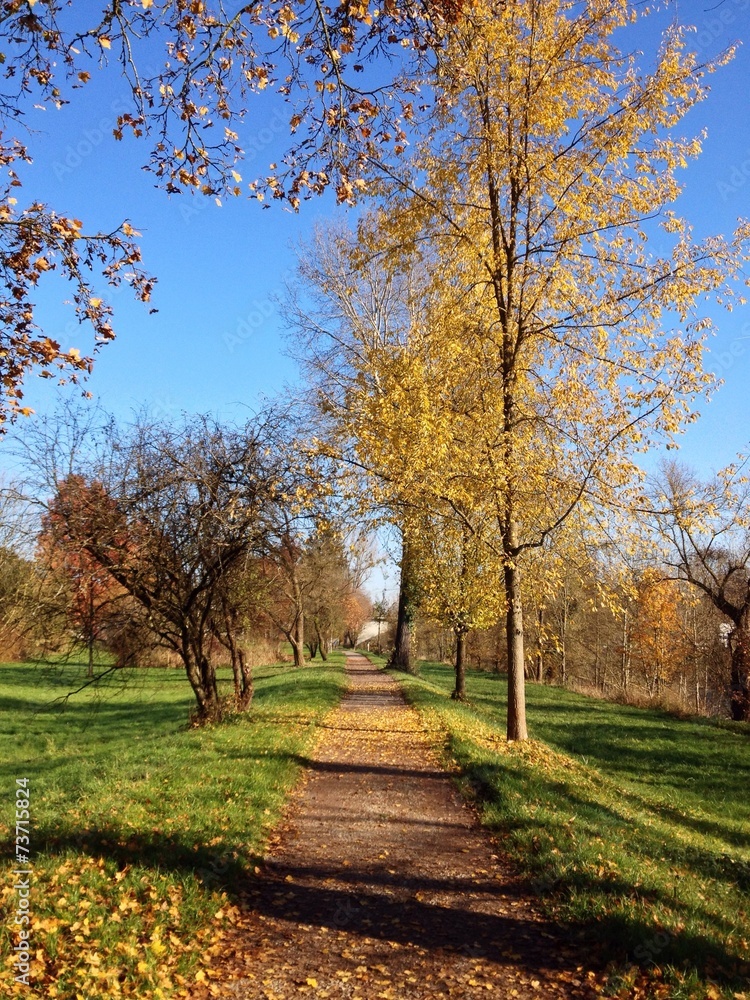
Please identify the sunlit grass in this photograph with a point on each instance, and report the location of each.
(140, 826)
(633, 824)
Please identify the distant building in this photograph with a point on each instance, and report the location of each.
(369, 632)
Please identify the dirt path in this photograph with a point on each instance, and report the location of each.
(382, 885)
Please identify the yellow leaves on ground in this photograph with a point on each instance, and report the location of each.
(105, 932)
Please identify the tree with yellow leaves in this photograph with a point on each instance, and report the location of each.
(457, 575)
(657, 636)
(552, 163)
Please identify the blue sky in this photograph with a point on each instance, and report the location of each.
(216, 342)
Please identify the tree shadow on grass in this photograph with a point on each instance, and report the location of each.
(374, 903)
(624, 928)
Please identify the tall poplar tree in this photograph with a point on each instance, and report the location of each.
(541, 199)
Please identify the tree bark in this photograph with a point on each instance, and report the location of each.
(321, 643)
(202, 679)
(498, 649)
(540, 647)
(739, 694)
(247, 688)
(516, 680)
(401, 657)
(242, 674)
(297, 638)
(625, 659)
(459, 692)
(91, 628)
(298, 650)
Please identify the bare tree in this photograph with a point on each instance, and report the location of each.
(168, 510)
(706, 528)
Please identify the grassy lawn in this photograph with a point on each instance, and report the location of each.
(139, 826)
(632, 825)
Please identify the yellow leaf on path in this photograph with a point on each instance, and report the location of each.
(311, 982)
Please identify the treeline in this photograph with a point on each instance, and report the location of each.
(194, 541)
(510, 327)
(637, 636)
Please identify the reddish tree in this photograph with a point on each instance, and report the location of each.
(92, 591)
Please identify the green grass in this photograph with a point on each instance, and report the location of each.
(140, 827)
(632, 825)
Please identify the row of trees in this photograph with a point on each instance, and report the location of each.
(205, 538)
(490, 351)
(494, 349)
(631, 633)
(194, 537)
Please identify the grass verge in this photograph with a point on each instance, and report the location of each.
(140, 828)
(630, 824)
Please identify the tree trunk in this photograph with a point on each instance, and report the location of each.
(202, 679)
(297, 638)
(247, 689)
(564, 639)
(401, 656)
(540, 647)
(298, 650)
(241, 673)
(516, 681)
(459, 692)
(498, 649)
(739, 694)
(625, 659)
(91, 627)
(243, 678)
(320, 641)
